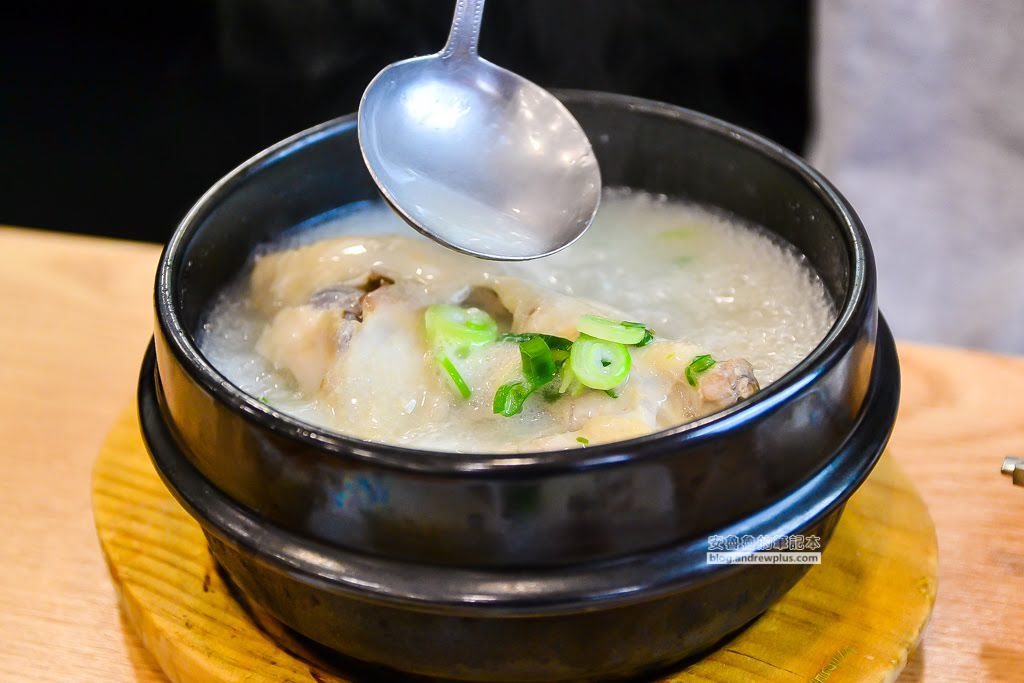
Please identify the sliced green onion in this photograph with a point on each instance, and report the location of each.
(538, 362)
(456, 378)
(599, 364)
(620, 331)
(697, 367)
(455, 327)
(583, 440)
(538, 368)
(555, 343)
(611, 330)
(648, 333)
(567, 379)
(510, 397)
(263, 400)
(570, 384)
(455, 330)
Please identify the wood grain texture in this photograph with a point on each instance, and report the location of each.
(75, 315)
(855, 617)
(960, 413)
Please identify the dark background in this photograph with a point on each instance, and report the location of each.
(114, 118)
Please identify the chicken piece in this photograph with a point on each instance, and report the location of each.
(719, 387)
(726, 383)
(345, 297)
(366, 360)
(306, 340)
(536, 309)
(292, 277)
(384, 381)
(347, 321)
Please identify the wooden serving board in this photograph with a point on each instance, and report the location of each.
(855, 617)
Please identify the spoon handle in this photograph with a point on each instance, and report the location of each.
(465, 33)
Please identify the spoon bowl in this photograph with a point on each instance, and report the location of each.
(475, 156)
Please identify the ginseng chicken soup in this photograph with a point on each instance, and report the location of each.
(662, 313)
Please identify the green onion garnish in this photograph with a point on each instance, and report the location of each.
(538, 361)
(598, 363)
(568, 379)
(456, 378)
(263, 400)
(539, 368)
(611, 330)
(619, 331)
(697, 367)
(510, 397)
(455, 330)
(583, 440)
(648, 333)
(458, 329)
(555, 343)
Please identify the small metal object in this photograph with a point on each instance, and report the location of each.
(475, 156)
(1013, 466)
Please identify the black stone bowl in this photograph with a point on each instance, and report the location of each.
(570, 565)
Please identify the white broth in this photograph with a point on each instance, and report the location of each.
(705, 283)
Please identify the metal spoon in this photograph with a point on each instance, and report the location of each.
(476, 157)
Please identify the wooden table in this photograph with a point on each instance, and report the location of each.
(75, 317)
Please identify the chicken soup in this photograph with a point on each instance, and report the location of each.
(662, 313)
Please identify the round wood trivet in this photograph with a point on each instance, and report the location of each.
(855, 617)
